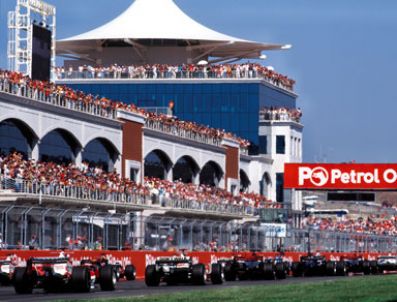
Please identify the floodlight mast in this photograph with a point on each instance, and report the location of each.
(20, 33)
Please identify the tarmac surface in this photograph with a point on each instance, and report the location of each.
(138, 288)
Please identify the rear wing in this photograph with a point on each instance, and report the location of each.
(49, 260)
(172, 259)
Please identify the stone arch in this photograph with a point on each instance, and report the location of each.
(101, 152)
(16, 135)
(211, 174)
(60, 146)
(244, 181)
(185, 169)
(157, 164)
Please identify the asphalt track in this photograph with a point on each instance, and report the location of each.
(138, 288)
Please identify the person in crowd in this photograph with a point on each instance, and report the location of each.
(3, 245)
(161, 71)
(34, 242)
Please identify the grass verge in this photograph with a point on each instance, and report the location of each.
(367, 289)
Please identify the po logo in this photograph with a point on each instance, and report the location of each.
(317, 176)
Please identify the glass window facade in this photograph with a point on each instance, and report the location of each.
(230, 106)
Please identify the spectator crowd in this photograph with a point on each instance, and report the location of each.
(281, 114)
(183, 71)
(17, 172)
(371, 224)
(61, 95)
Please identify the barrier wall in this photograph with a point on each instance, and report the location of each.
(140, 259)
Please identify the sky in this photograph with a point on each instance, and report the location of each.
(344, 59)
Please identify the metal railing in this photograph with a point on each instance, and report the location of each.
(54, 189)
(169, 128)
(304, 240)
(25, 226)
(170, 74)
(183, 133)
(278, 116)
(57, 99)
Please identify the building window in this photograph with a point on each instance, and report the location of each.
(280, 187)
(263, 144)
(299, 148)
(280, 144)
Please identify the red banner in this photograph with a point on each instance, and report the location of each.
(341, 176)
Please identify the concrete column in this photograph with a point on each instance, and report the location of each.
(79, 157)
(35, 152)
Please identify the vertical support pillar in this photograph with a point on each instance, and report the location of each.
(232, 177)
(36, 151)
(132, 154)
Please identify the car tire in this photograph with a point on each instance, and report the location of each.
(330, 268)
(107, 278)
(280, 271)
(341, 269)
(130, 272)
(81, 279)
(228, 271)
(366, 268)
(151, 276)
(23, 283)
(297, 269)
(374, 267)
(268, 271)
(216, 273)
(198, 274)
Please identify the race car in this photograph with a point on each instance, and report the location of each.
(128, 272)
(345, 266)
(311, 265)
(58, 274)
(387, 264)
(254, 267)
(175, 270)
(6, 269)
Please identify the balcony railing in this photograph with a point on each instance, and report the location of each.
(41, 190)
(56, 99)
(168, 75)
(171, 129)
(294, 115)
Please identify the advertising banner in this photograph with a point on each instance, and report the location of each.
(341, 176)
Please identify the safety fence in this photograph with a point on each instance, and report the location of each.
(24, 227)
(41, 190)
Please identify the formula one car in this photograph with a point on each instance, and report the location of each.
(57, 274)
(128, 272)
(177, 270)
(6, 269)
(387, 264)
(254, 267)
(310, 266)
(356, 265)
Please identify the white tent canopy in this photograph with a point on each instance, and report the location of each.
(149, 24)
